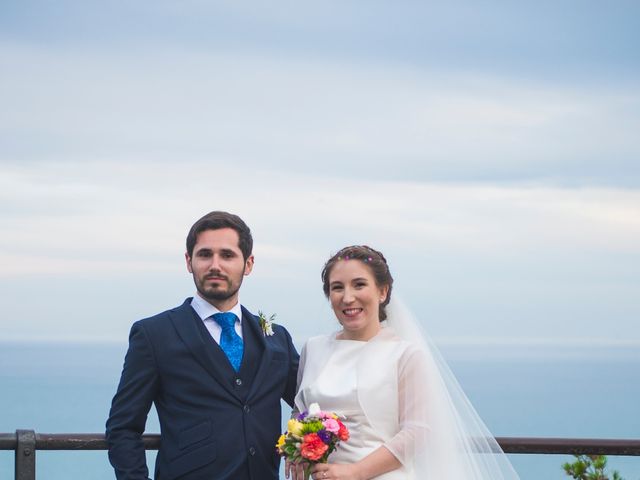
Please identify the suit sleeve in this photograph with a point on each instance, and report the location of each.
(137, 389)
(292, 374)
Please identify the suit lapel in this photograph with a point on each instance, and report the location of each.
(253, 328)
(207, 353)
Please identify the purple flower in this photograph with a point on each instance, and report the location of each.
(303, 415)
(324, 435)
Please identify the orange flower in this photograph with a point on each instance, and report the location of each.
(313, 448)
(343, 433)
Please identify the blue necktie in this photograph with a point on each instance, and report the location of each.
(230, 341)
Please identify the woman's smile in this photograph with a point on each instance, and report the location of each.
(352, 312)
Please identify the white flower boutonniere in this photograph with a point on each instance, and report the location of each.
(266, 323)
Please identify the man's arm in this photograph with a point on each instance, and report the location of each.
(130, 406)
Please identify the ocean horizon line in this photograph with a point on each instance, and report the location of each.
(442, 342)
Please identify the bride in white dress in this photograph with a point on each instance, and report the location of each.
(407, 416)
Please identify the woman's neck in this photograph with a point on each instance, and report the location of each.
(359, 335)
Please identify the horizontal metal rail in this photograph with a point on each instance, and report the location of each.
(72, 441)
(570, 446)
(25, 443)
(516, 445)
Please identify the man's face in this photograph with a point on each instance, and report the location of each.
(217, 266)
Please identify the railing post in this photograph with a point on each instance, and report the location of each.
(25, 455)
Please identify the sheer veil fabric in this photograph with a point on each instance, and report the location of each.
(441, 435)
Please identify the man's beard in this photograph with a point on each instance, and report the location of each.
(218, 295)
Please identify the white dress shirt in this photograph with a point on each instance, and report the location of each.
(204, 310)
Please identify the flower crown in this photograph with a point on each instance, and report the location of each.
(347, 257)
(367, 259)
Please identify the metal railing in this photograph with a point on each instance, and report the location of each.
(25, 443)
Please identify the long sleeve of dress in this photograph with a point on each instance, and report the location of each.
(413, 420)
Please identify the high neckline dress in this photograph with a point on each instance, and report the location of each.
(335, 389)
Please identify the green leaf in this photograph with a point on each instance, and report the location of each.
(589, 467)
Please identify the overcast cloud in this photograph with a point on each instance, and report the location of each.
(490, 152)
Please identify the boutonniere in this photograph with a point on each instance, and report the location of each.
(266, 323)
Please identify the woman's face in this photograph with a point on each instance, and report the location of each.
(355, 299)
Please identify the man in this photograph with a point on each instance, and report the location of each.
(216, 378)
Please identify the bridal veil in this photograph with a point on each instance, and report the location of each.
(441, 434)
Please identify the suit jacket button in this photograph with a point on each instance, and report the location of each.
(247, 409)
(238, 381)
(252, 451)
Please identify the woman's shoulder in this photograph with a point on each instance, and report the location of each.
(402, 347)
(388, 334)
(319, 340)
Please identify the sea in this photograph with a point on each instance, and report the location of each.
(537, 390)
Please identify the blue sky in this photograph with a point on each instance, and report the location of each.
(488, 148)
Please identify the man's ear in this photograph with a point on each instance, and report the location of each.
(248, 265)
(188, 260)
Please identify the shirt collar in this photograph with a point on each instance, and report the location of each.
(204, 309)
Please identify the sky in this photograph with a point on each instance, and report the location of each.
(489, 149)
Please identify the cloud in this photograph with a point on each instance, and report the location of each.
(142, 210)
(490, 153)
(43, 265)
(576, 42)
(493, 260)
(316, 116)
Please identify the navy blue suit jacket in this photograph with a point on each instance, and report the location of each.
(214, 423)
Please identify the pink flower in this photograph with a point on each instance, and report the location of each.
(331, 425)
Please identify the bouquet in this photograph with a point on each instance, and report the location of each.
(312, 436)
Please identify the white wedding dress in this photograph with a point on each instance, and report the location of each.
(396, 391)
(359, 381)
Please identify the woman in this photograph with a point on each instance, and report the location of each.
(406, 413)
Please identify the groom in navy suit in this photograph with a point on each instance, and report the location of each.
(215, 372)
